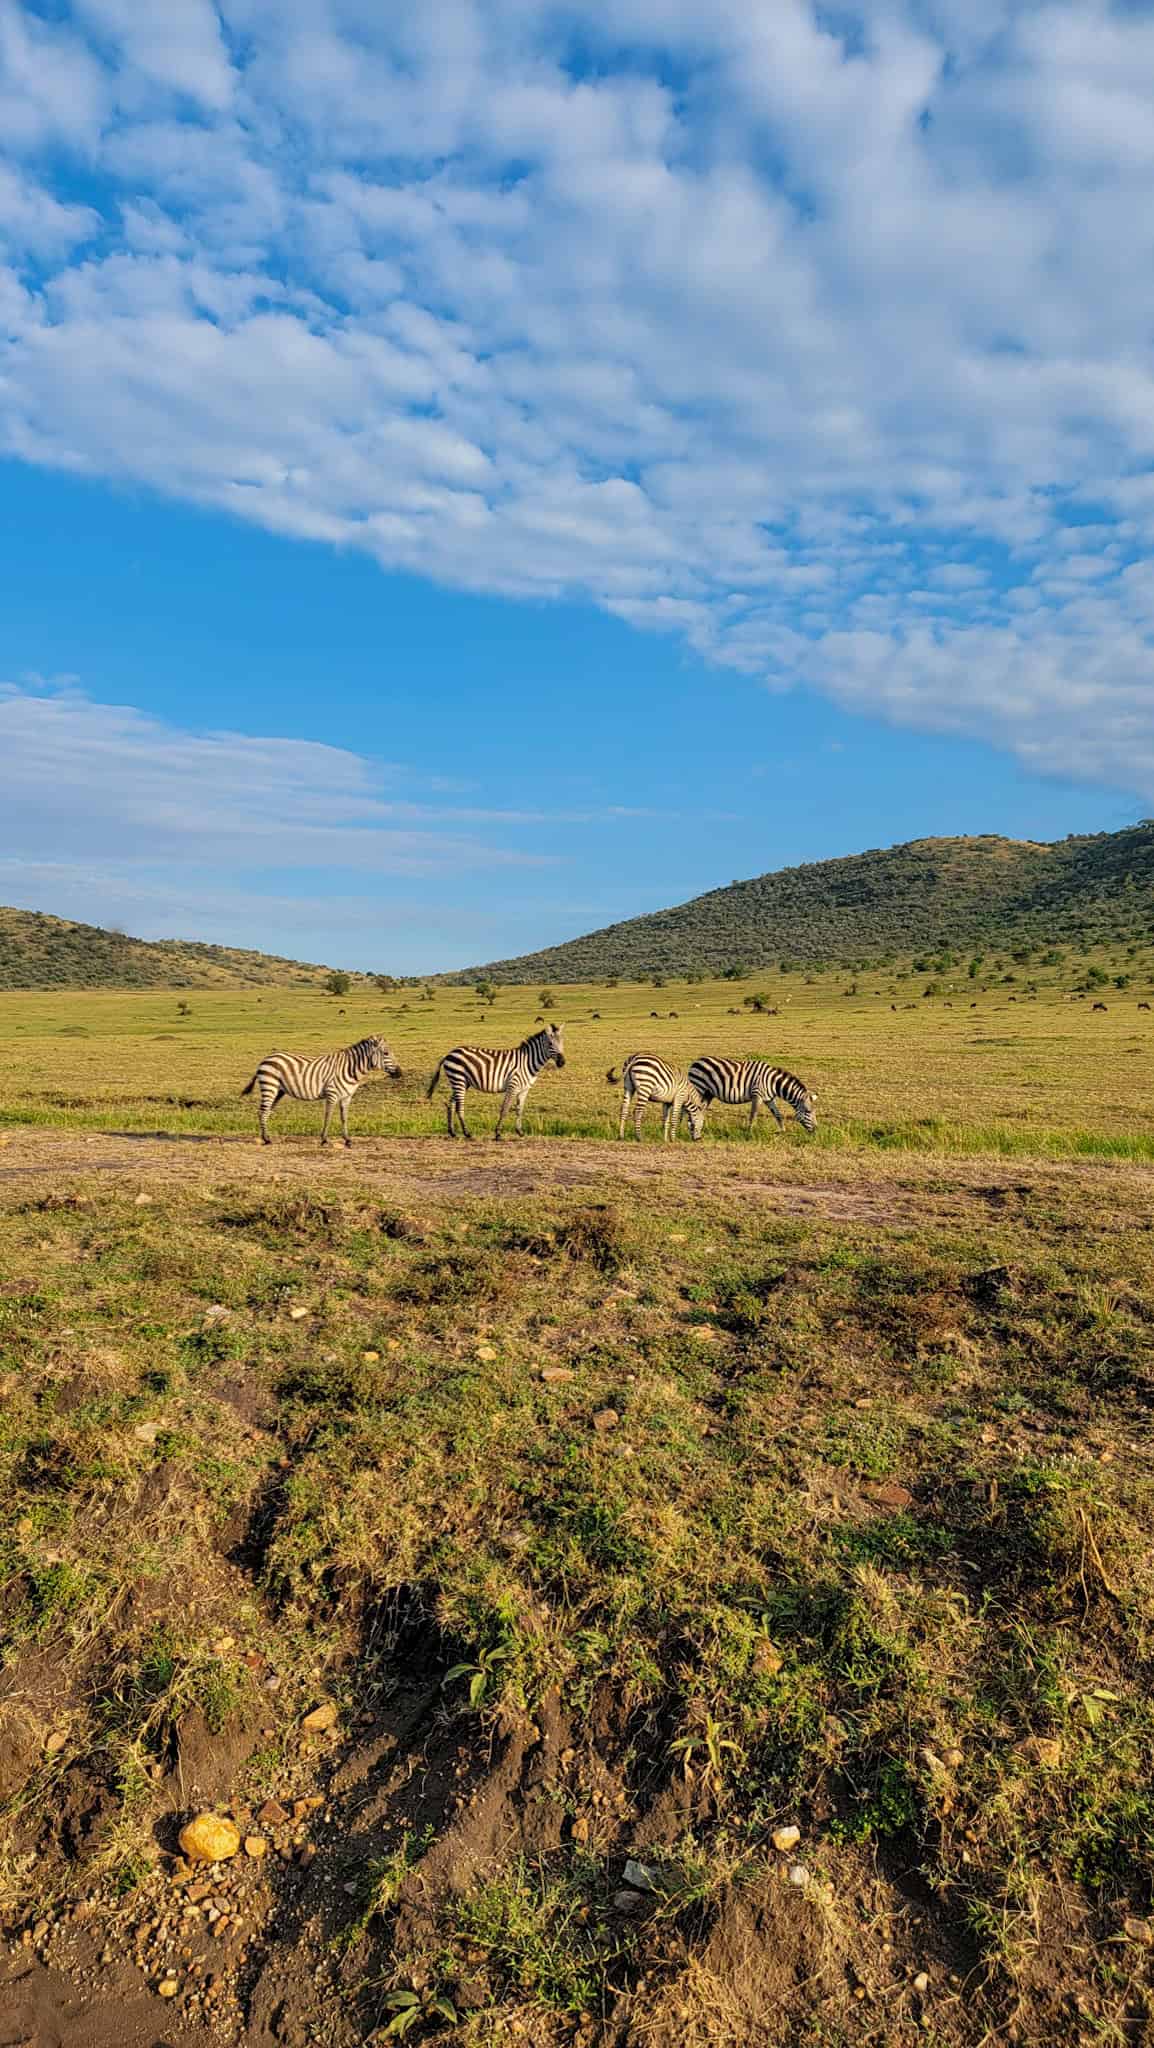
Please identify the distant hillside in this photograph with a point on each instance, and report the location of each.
(38, 951)
(929, 894)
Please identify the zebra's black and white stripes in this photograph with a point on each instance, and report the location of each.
(755, 1082)
(509, 1072)
(647, 1078)
(330, 1077)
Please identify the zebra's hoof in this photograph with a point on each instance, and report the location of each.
(348, 1144)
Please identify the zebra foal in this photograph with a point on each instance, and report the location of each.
(645, 1079)
(755, 1082)
(330, 1077)
(509, 1073)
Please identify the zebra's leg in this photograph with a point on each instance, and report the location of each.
(667, 1122)
(625, 1102)
(344, 1109)
(507, 1101)
(780, 1120)
(521, 1110)
(456, 1104)
(753, 1114)
(328, 1119)
(267, 1104)
(639, 1102)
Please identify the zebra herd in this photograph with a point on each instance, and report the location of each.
(333, 1078)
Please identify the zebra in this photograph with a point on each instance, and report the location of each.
(509, 1073)
(755, 1082)
(328, 1077)
(648, 1079)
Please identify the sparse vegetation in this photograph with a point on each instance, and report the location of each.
(834, 1512)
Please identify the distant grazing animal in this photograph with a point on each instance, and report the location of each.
(597, 1014)
(509, 1072)
(755, 1082)
(673, 1013)
(1097, 1006)
(329, 1077)
(646, 1079)
(893, 1006)
(1143, 1006)
(653, 1013)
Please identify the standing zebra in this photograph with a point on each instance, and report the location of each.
(755, 1082)
(509, 1073)
(648, 1079)
(329, 1077)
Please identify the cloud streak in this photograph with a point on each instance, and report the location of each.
(819, 340)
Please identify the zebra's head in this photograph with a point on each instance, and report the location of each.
(804, 1111)
(693, 1109)
(381, 1057)
(555, 1033)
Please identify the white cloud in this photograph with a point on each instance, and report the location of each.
(750, 325)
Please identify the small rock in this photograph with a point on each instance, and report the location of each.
(370, 1357)
(255, 1846)
(210, 1839)
(146, 1432)
(297, 1315)
(641, 1876)
(143, 1201)
(1139, 1930)
(888, 1494)
(922, 1982)
(933, 1763)
(605, 1420)
(167, 1987)
(306, 1855)
(223, 1645)
(216, 1312)
(320, 1720)
(786, 1838)
(1045, 1750)
(556, 1375)
(486, 1353)
(55, 1742)
(954, 1757)
(581, 1829)
(798, 1875)
(627, 1901)
(767, 1659)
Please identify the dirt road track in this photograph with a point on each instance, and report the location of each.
(783, 1178)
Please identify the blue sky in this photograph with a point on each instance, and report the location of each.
(466, 479)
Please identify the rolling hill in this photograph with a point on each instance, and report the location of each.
(926, 895)
(38, 951)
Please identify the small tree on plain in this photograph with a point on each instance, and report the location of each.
(339, 983)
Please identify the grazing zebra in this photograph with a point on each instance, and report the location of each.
(509, 1073)
(329, 1077)
(755, 1082)
(649, 1079)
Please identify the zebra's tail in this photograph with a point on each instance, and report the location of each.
(251, 1085)
(431, 1089)
(612, 1075)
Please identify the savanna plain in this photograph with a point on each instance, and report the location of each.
(618, 1594)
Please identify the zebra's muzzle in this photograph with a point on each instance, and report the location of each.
(559, 1059)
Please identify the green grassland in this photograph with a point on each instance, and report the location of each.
(701, 1493)
(979, 1066)
(610, 1531)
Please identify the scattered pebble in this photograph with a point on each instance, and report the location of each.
(486, 1353)
(210, 1839)
(798, 1875)
(922, 1982)
(627, 1901)
(786, 1838)
(255, 1846)
(556, 1375)
(321, 1719)
(641, 1876)
(55, 1742)
(605, 1420)
(297, 1315)
(167, 1987)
